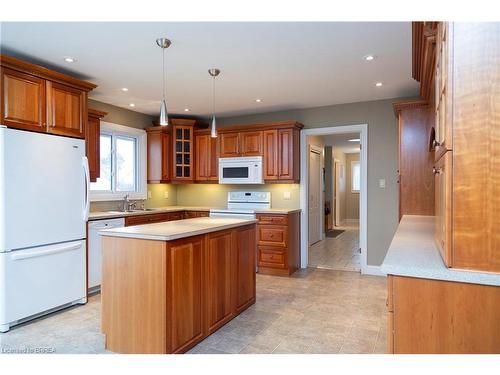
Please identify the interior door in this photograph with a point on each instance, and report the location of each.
(314, 196)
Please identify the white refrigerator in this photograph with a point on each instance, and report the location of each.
(44, 205)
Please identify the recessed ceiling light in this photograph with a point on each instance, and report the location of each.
(69, 59)
(124, 89)
(258, 100)
(354, 140)
(369, 57)
(186, 109)
(378, 84)
(131, 105)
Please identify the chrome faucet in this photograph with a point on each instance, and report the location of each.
(125, 203)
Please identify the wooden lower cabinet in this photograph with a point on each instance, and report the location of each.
(184, 297)
(194, 214)
(177, 292)
(444, 317)
(278, 242)
(153, 218)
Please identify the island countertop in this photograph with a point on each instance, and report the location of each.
(173, 230)
(413, 253)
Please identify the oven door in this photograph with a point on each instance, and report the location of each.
(245, 170)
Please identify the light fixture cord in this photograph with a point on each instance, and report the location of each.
(213, 96)
(163, 70)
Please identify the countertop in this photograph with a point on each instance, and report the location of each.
(172, 230)
(157, 210)
(414, 253)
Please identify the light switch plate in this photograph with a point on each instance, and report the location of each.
(287, 195)
(381, 183)
(165, 195)
(149, 194)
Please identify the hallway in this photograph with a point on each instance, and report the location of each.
(340, 253)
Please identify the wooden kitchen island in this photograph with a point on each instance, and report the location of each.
(167, 286)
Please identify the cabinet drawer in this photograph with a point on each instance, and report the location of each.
(276, 235)
(271, 257)
(175, 215)
(146, 219)
(272, 219)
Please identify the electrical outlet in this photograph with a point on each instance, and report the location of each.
(381, 183)
(287, 195)
(165, 195)
(149, 194)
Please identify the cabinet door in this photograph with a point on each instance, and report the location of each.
(443, 92)
(22, 101)
(184, 293)
(251, 143)
(270, 158)
(154, 156)
(244, 267)
(93, 147)
(213, 164)
(443, 185)
(166, 160)
(182, 153)
(218, 265)
(285, 154)
(66, 110)
(229, 145)
(202, 154)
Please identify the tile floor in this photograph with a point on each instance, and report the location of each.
(340, 253)
(314, 311)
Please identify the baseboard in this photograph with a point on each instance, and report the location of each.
(372, 270)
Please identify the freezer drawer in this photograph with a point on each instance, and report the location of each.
(35, 280)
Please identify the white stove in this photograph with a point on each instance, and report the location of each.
(243, 204)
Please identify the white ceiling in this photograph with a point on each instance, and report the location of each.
(288, 65)
(342, 143)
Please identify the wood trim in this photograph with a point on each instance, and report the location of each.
(257, 126)
(424, 55)
(400, 105)
(96, 113)
(45, 73)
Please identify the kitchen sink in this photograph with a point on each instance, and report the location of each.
(134, 210)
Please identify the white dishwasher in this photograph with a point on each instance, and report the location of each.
(95, 255)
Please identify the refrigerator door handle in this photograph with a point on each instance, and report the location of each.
(86, 208)
(49, 251)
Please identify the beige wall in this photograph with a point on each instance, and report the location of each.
(352, 199)
(215, 195)
(382, 158)
(339, 156)
(122, 116)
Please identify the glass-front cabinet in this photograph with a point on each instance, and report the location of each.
(182, 131)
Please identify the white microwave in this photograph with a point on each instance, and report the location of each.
(242, 170)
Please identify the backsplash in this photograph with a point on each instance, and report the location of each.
(215, 195)
(212, 195)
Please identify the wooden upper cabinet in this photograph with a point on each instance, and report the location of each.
(159, 159)
(229, 144)
(182, 150)
(39, 99)
(288, 155)
(22, 100)
(206, 158)
(251, 143)
(66, 107)
(443, 89)
(270, 160)
(92, 142)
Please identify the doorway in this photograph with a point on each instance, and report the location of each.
(354, 234)
(315, 189)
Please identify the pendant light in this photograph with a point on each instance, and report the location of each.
(163, 43)
(214, 72)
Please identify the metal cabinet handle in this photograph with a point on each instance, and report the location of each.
(437, 171)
